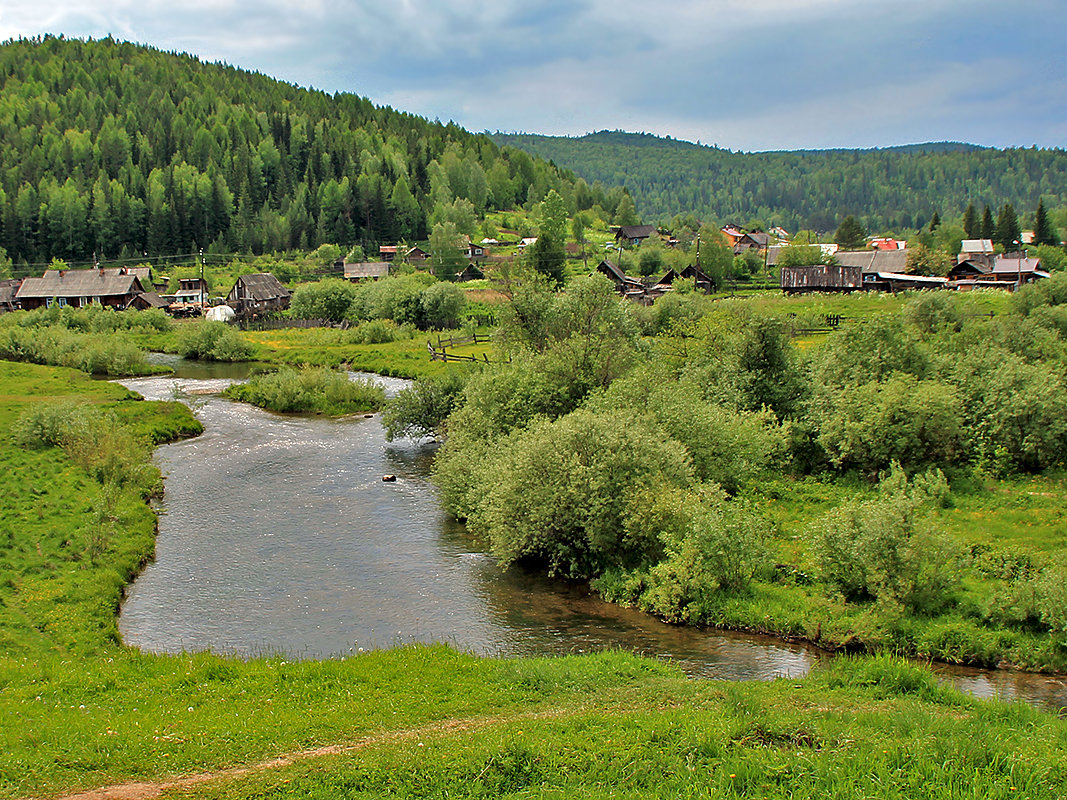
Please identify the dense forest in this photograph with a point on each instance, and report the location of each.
(113, 149)
(893, 188)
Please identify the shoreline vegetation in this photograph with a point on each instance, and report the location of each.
(88, 711)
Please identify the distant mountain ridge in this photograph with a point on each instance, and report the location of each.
(891, 187)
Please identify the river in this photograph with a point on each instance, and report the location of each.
(277, 534)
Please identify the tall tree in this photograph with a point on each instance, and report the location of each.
(1044, 233)
(547, 254)
(971, 225)
(850, 234)
(988, 226)
(1007, 233)
(446, 251)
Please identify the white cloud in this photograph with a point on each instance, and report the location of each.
(717, 70)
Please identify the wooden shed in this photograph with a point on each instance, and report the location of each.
(821, 278)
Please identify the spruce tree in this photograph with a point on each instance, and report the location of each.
(988, 228)
(1044, 233)
(935, 221)
(970, 222)
(1007, 232)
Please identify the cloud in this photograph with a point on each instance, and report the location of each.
(748, 74)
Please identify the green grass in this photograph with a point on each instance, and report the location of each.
(332, 347)
(309, 390)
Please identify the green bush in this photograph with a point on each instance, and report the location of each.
(708, 545)
(903, 419)
(558, 493)
(213, 341)
(328, 299)
(887, 549)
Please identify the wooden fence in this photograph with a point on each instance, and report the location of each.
(440, 352)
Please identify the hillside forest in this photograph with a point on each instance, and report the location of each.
(896, 188)
(111, 149)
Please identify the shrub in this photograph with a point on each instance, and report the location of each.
(328, 299)
(421, 410)
(709, 545)
(441, 306)
(558, 493)
(903, 419)
(886, 548)
(213, 341)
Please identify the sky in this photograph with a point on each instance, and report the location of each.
(742, 74)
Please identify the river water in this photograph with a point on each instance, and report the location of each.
(277, 534)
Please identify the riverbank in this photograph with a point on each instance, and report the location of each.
(82, 711)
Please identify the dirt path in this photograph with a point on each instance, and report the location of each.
(142, 790)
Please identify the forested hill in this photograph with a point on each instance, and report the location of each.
(113, 148)
(899, 187)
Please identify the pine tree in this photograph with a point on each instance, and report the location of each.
(988, 228)
(935, 221)
(970, 222)
(1044, 233)
(1007, 233)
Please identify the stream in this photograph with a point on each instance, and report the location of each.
(277, 535)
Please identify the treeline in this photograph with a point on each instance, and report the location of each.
(113, 149)
(891, 189)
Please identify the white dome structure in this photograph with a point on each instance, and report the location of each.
(220, 314)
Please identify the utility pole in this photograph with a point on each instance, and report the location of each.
(201, 280)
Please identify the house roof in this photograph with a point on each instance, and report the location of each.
(8, 288)
(150, 300)
(1006, 265)
(925, 280)
(758, 238)
(888, 261)
(635, 231)
(261, 286)
(976, 246)
(978, 266)
(80, 283)
(366, 269)
(611, 270)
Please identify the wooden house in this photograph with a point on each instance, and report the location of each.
(416, 255)
(623, 282)
(469, 273)
(871, 261)
(752, 241)
(473, 251)
(971, 269)
(191, 291)
(78, 288)
(701, 281)
(387, 252)
(147, 300)
(260, 293)
(821, 278)
(8, 287)
(633, 235)
(1017, 268)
